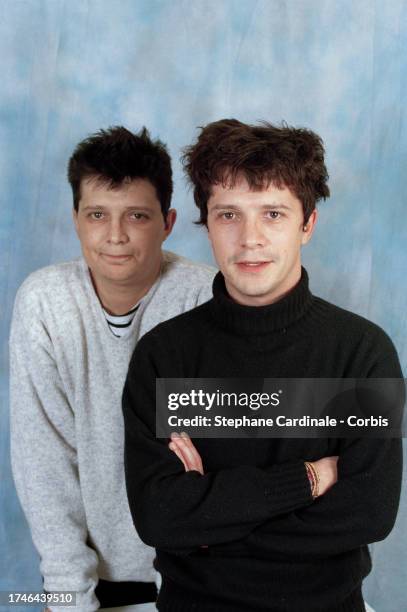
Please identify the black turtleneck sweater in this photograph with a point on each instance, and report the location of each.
(270, 546)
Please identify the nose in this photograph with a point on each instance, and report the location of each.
(117, 232)
(251, 235)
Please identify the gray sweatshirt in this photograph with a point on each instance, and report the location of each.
(67, 375)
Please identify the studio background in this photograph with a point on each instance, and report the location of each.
(337, 66)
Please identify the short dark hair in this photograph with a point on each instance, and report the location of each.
(263, 154)
(115, 156)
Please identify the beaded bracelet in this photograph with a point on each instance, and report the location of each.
(310, 478)
(313, 478)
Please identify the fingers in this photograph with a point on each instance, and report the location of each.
(190, 451)
(172, 446)
(189, 455)
(182, 454)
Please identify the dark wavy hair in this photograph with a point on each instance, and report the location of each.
(263, 154)
(116, 156)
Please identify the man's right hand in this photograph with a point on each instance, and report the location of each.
(327, 472)
(185, 450)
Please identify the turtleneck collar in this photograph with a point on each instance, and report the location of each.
(245, 320)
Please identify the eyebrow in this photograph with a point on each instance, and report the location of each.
(273, 205)
(101, 207)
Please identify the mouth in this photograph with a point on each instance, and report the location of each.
(115, 258)
(252, 266)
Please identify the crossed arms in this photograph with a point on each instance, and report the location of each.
(258, 509)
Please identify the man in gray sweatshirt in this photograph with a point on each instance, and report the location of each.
(75, 326)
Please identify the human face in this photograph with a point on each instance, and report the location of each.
(121, 231)
(256, 238)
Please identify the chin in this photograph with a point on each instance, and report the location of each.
(254, 289)
(118, 276)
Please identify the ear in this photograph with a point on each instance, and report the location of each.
(169, 222)
(308, 228)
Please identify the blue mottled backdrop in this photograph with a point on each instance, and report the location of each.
(337, 66)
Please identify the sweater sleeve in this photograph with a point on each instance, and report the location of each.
(173, 509)
(44, 459)
(360, 509)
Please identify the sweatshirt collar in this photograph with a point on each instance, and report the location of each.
(245, 320)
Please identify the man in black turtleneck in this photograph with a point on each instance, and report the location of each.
(238, 523)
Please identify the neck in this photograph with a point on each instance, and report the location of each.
(117, 299)
(252, 320)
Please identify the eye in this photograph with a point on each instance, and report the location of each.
(137, 216)
(96, 215)
(273, 214)
(228, 216)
